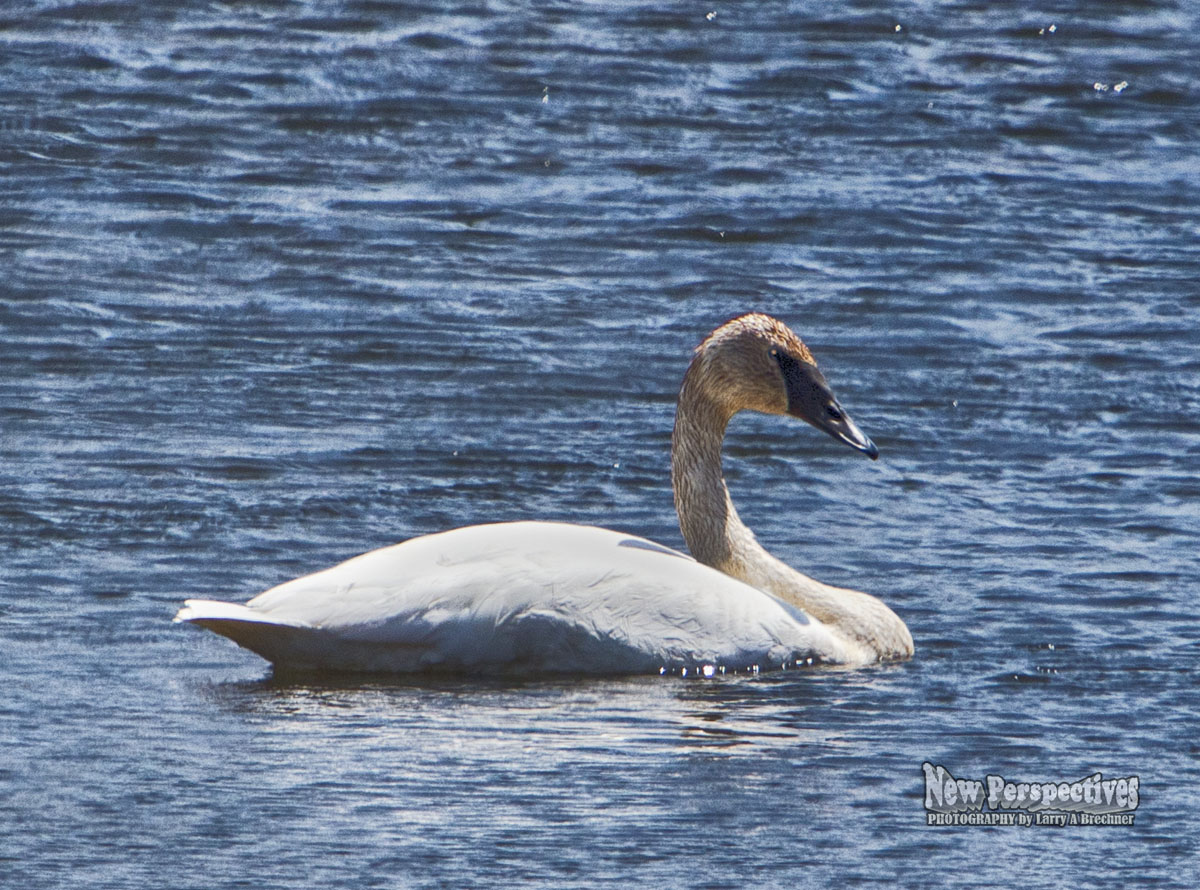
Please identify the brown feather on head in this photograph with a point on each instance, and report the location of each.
(756, 363)
(740, 362)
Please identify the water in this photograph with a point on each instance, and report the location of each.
(284, 282)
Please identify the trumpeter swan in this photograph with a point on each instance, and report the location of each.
(546, 597)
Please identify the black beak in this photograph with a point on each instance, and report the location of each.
(810, 398)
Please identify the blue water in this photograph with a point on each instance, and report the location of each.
(283, 282)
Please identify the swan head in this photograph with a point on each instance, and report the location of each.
(756, 363)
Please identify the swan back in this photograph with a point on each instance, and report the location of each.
(537, 597)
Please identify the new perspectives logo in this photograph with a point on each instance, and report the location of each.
(1093, 800)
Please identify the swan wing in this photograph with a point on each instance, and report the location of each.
(526, 597)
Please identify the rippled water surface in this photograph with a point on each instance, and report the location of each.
(284, 282)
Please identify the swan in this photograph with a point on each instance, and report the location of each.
(549, 597)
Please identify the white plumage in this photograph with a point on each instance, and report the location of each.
(536, 597)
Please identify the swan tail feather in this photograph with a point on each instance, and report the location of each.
(280, 642)
(296, 646)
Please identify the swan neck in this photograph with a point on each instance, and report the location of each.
(714, 533)
(717, 537)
